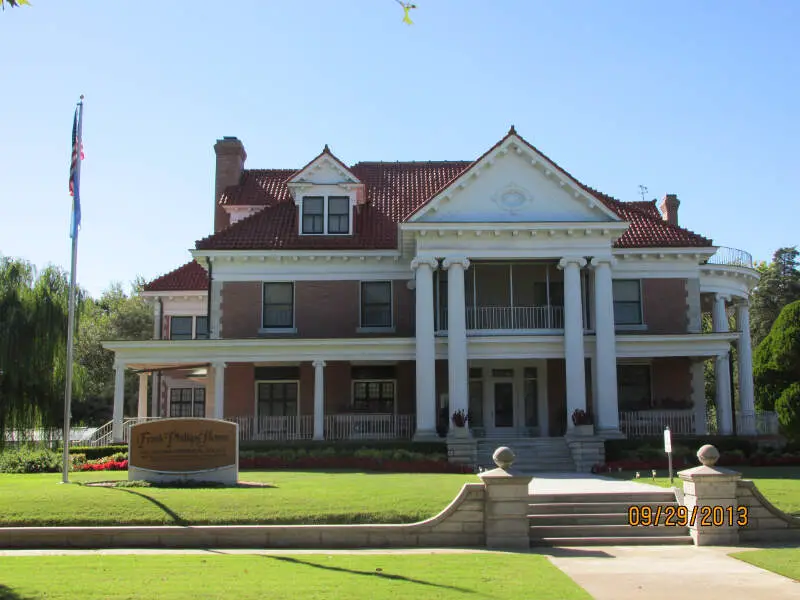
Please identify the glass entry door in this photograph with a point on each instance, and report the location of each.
(503, 403)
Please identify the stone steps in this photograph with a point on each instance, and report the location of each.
(532, 454)
(583, 519)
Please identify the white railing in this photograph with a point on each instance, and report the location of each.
(368, 427)
(644, 423)
(275, 428)
(78, 436)
(509, 317)
(764, 422)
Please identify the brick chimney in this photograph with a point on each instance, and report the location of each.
(230, 163)
(669, 208)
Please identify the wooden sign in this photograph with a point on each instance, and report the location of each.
(183, 445)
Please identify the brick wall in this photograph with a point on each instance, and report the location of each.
(337, 387)
(239, 390)
(241, 309)
(664, 305)
(406, 388)
(326, 309)
(306, 388)
(671, 378)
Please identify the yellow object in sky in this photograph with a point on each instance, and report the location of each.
(406, 8)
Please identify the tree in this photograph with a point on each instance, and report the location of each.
(779, 285)
(115, 316)
(788, 408)
(13, 3)
(776, 361)
(33, 336)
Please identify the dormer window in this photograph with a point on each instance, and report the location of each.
(326, 215)
(313, 214)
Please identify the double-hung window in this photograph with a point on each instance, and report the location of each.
(187, 402)
(188, 328)
(373, 389)
(278, 312)
(627, 301)
(314, 214)
(325, 215)
(634, 391)
(376, 304)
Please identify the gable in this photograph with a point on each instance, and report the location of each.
(513, 184)
(324, 169)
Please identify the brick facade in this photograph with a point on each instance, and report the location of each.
(241, 309)
(239, 390)
(664, 305)
(671, 379)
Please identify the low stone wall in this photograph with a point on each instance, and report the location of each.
(766, 522)
(461, 524)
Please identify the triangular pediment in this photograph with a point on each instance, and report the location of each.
(513, 182)
(324, 169)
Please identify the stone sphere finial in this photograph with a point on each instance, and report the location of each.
(708, 455)
(503, 457)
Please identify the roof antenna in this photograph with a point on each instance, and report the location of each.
(643, 191)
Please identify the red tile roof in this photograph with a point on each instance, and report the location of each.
(190, 277)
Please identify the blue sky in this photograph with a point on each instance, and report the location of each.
(693, 98)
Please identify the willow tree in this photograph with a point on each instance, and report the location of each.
(33, 335)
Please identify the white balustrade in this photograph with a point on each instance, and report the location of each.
(368, 427)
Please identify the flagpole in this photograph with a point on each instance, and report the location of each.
(71, 314)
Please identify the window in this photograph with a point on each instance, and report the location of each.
(323, 215)
(376, 304)
(201, 328)
(187, 402)
(633, 387)
(277, 399)
(278, 305)
(476, 397)
(180, 328)
(313, 214)
(373, 388)
(627, 302)
(338, 214)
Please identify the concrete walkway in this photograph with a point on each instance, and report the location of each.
(586, 483)
(669, 572)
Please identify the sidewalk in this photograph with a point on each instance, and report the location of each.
(669, 572)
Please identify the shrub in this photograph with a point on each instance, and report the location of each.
(788, 408)
(95, 452)
(30, 460)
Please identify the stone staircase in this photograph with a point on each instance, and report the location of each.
(599, 519)
(532, 454)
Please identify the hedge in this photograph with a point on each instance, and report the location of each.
(346, 447)
(682, 446)
(95, 452)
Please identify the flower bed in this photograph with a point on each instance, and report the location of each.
(110, 465)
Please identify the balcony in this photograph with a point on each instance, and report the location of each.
(503, 318)
(731, 257)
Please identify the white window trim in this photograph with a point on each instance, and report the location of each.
(285, 330)
(353, 383)
(391, 327)
(255, 393)
(194, 388)
(325, 198)
(639, 363)
(642, 326)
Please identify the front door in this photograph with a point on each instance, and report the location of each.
(504, 404)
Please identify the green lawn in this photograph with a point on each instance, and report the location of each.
(285, 577)
(780, 485)
(298, 497)
(783, 561)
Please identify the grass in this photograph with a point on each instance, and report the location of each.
(285, 577)
(298, 497)
(780, 485)
(783, 561)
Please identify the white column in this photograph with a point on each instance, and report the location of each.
(426, 352)
(605, 402)
(157, 319)
(458, 376)
(699, 397)
(142, 408)
(219, 390)
(119, 403)
(319, 399)
(573, 336)
(722, 371)
(745, 363)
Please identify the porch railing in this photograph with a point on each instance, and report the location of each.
(275, 428)
(369, 427)
(644, 423)
(731, 257)
(510, 317)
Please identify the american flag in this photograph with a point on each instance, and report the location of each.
(75, 174)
